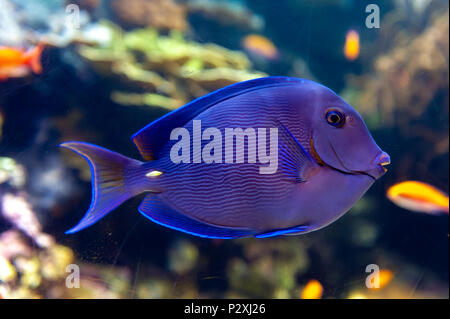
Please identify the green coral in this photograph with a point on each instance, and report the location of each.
(269, 268)
(164, 71)
(11, 172)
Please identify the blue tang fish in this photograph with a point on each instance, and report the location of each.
(322, 160)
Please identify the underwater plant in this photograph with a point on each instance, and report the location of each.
(165, 71)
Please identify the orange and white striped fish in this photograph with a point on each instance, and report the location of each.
(419, 197)
(16, 62)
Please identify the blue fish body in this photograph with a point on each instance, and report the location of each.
(323, 162)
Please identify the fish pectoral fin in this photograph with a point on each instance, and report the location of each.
(155, 209)
(294, 161)
(287, 231)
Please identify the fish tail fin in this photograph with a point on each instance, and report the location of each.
(114, 180)
(34, 56)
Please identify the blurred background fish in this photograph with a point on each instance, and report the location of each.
(351, 46)
(260, 46)
(419, 197)
(385, 277)
(16, 62)
(312, 290)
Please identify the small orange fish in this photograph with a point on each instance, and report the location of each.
(351, 46)
(312, 290)
(16, 62)
(385, 277)
(260, 46)
(418, 197)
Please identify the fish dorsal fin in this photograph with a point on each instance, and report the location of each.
(154, 136)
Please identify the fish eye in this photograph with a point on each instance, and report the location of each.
(335, 118)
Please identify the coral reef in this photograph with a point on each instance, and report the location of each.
(25, 270)
(11, 32)
(11, 172)
(32, 263)
(23, 23)
(407, 94)
(395, 90)
(160, 14)
(407, 20)
(268, 269)
(164, 71)
(226, 13)
(88, 5)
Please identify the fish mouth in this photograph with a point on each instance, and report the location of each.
(371, 173)
(380, 162)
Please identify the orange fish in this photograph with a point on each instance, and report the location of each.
(16, 62)
(418, 197)
(351, 46)
(385, 277)
(260, 46)
(312, 290)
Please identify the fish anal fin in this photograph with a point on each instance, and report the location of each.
(288, 231)
(155, 209)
